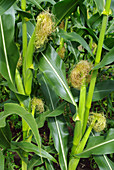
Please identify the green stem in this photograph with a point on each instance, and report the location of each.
(97, 60)
(75, 160)
(79, 123)
(23, 5)
(24, 33)
(62, 40)
(24, 39)
(82, 102)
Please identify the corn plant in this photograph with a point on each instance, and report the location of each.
(51, 53)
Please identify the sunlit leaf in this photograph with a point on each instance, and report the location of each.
(98, 145)
(104, 162)
(57, 127)
(52, 66)
(29, 147)
(5, 5)
(51, 1)
(8, 51)
(10, 108)
(36, 2)
(107, 59)
(35, 161)
(73, 36)
(100, 5)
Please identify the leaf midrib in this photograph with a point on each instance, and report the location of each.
(57, 126)
(96, 146)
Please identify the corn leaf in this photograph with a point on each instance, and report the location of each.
(102, 89)
(97, 145)
(107, 59)
(37, 3)
(49, 165)
(104, 163)
(64, 8)
(29, 147)
(53, 69)
(35, 161)
(5, 136)
(51, 1)
(10, 108)
(100, 5)
(5, 5)
(77, 38)
(8, 51)
(1, 160)
(57, 126)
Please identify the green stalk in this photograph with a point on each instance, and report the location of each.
(75, 160)
(97, 60)
(82, 102)
(24, 32)
(62, 40)
(24, 39)
(79, 123)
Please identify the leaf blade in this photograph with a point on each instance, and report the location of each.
(10, 108)
(51, 64)
(9, 51)
(108, 59)
(29, 147)
(5, 5)
(104, 162)
(97, 145)
(63, 8)
(76, 37)
(56, 128)
(102, 89)
(1, 160)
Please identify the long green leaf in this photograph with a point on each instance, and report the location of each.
(102, 89)
(5, 137)
(46, 88)
(42, 117)
(60, 134)
(108, 59)
(5, 5)
(104, 163)
(97, 145)
(1, 160)
(64, 8)
(37, 3)
(35, 161)
(49, 165)
(8, 51)
(54, 71)
(29, 147)
(51, 1)
(10, 108)
(100, 5)
(57, 126)
(76, 37)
